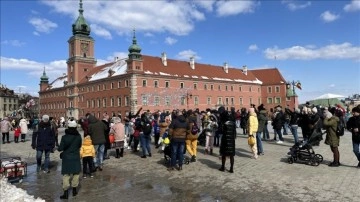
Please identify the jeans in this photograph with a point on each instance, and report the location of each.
(266, 134)
(39, 157)
(5, 135)
(356, 150)
(145, 143)
(278, 132)
(126, 129)
(177, 149)
(259, 143)
(99, 149)
(294, 132)
(285, 127)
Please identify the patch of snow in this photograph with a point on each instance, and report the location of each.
(59, 82)
(119, 68)
(10, 192)
(204, 77)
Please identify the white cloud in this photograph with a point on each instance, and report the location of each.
(353, 6)
(15, 43)
(42, 25)
(186, 54)
(148, 16)
(333, 51)
(148, 34)
(327, 16)
(253, 47)
(170, 41)
(295, 6)
(207, 5)
(227, 8)
(100, 31)
(332, 85)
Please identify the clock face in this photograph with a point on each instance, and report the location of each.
(84, 47)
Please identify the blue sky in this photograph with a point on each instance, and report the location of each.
(314, 42)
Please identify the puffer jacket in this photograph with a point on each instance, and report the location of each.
(23, 126)
(97, 130)
(178, 129)
(87, 148)
(118, 129)
(354, 122)
(253, 124)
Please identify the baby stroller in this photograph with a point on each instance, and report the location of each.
(303, 151)
(167, 155)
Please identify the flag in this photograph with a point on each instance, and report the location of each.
(298, 85)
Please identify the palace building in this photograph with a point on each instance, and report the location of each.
(151, 83)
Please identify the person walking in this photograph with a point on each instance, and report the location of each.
(5, 129)
(353, 125)
(253, 125)
(43, 140)
(294, 120)
(227, 146)
(96, 131)
(330, 124)
(118, 130)
(69, 147)
(262, 120)
(24, 129)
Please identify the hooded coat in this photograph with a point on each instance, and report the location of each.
(178, 129)
(330, 124)
(97, 130)
(87, 148)
(227, 146)
(70, 146)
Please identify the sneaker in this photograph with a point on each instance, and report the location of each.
(91, 176)
(46, 171)
(279, 142)
(84, 176)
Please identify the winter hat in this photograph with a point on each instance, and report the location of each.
(356, 109)
(251, 110)
(278, 108)
(328, 114)
(45, 118)
(72, 124)
(314, 110)
(116, 119)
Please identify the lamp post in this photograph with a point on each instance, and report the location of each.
(188, 96)
(294, 84)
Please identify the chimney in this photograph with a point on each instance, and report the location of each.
(116, 59)
(192, 62)
(163, 59)
(226, 67)
(245, 69)
(111, 72)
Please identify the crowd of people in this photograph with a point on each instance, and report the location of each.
(182, 131)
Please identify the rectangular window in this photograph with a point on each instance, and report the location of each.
(167, 84)
(104, 102)
(98, 88)
(119, 84)
(156, 100)
(269, 89)
(226, 87)
(269, 100)
(93, 103)
(205, 87)
(127, 101)
(144, 100)
(144, 83)
(112, 85)
(288, 99)
(250, 88)
(226, 101)
(277, 100)
(98, 103)
(219, 87)
(258, 89)
(232, 101)
(195, 86)
(119, 101)
(219, 101)
(156, 84)
(277, 89)
(104, 86)
(259, 101)
(182, 100)
(127, 83)
(87, 104)
(196, 100)
(181, 85)
(112, 102)
(240, 88)
(208, 101)
(251, 101)
(211, 87)
(232, 88)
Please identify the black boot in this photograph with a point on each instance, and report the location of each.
(74, 191)
(211, 152)
(117, 154)
(65, 195)
(122, 152)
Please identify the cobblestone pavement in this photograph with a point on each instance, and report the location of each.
(269, 178)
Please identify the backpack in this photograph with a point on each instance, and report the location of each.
(146, 128)
(340, 129)
(194, 129)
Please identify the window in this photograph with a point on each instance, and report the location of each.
(144, 100)
(112, 102)
(119, 84)
(104, 102)
(119, 101)
(251, 101)
(232, 88)
(219, 87)
(269, 89)
(211, 87)
(156, 84)
(156, 100)
(93, 103)
(98, 103)
(241, 101)
(98, 88)
(278, 100)
(288, 99)
(195, 86)
(127, 83)
(196, 100)
(127, 101)
(277, 89)
(269, 100)
(205, 87)
(104, 86)
(181, 85)
(219, 101)
(167, 84)
(182, 100)
(208, 101)
(88, 89)
(250, 88)
(226, 101)
(92, 88)
(144, 83)
(232, 101)
(226, 87)
(167, 100)
(240, 88)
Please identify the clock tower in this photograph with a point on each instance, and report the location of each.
(81, 59)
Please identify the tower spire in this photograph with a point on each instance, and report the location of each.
(81, 10)
(80, 27)
(134, 49)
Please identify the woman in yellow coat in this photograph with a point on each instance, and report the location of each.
(252, 128)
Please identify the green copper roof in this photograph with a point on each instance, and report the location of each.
(134, 48)
(80, 26)
(44, 78)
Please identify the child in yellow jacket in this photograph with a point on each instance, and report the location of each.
(87, 153)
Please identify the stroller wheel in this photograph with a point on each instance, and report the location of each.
(291, 160)
(318, 158)
(314, 162)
